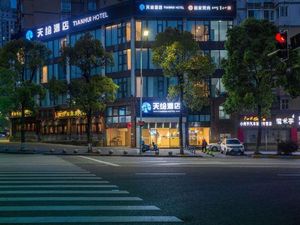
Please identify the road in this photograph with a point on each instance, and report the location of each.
(47, 189)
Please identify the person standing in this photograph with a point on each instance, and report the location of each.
(204, 144)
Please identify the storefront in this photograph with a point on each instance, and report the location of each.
(274, 129)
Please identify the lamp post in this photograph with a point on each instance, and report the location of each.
(144, 34)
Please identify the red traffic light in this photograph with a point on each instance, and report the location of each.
(281, 37)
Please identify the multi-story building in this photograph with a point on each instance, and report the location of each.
(34, 12)
(284, 121)
(8, 18)
(120, 28)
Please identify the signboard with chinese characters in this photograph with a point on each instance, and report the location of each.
(67, 114)
(160, 107)
(289, 120)
(64, 26)
(203, 9)
(252, 121)
(17, 114)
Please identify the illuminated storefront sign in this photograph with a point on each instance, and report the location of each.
(63, 26)
(285, 120)
(16, 114)
(204, 9)
(66, 114)
(252, 121)
(161, 107)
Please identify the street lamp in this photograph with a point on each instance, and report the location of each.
(145, 34)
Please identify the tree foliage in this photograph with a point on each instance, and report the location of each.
(250, 75)
(20, 61)
(89, 93)
(179, 55)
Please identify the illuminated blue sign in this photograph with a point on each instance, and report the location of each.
(146, 107)
(142, 7)
(29, 35)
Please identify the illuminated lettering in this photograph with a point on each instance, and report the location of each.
(48, 30)
(40, 32)
(65, 25)
(56, 28)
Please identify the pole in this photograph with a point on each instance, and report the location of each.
(141, 93)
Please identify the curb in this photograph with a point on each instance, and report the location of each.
(275, 156)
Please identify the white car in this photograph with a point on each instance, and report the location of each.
(214, 146)
(232, 145)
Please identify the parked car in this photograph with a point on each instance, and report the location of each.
(232, 145)
(214, 146)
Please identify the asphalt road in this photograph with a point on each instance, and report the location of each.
(41, 189)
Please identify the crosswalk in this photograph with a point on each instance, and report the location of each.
(71, 198)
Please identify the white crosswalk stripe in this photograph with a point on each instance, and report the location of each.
(70, 198)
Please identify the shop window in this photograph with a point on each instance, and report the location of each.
(222, 114)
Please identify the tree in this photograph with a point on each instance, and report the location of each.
(250, 75)
(57, 88)
(179, 56)
(20, 61)
(90, 93)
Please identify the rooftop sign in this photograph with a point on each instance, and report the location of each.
(63, 26)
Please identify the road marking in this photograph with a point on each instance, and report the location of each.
(46, 175)
(55, 182)
(76, 208)
(160, 174)
(57, 186)
(89, 219)
(100, 161)
(289, 174)
(38, 199)
(45, 172)
(63, 192)
(50, 178)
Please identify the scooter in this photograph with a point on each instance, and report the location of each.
(146, 148)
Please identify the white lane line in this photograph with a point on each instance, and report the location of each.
(289, 174)
(89, 219)
(77, 208)
(100, 161)
(50, 178)
(46, 175)
(55, 182)
(45, 172)
(56, 186)
(38, 199)
(63, 192)
(160, 174)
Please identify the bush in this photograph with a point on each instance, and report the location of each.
(287, 147)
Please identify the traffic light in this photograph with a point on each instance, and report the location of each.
(282, 45)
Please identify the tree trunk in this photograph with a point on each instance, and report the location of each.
(88, 130)
(22, 127)
(259, 130)
(181, 116)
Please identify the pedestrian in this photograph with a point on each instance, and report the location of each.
(204, 144)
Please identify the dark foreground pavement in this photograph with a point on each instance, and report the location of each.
(41, 189)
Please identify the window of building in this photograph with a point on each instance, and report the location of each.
(92, 6)
(200, 29)
(121, 114)
(284, 11)
(218, 56)
(44, 78)
(124, 87)
(222, 114)
(217, 87)
(218, 30)
(66, 5)
(117, 34)
(284, 104)
(154, 86)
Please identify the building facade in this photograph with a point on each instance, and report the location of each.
(8, 20)
(121, 31)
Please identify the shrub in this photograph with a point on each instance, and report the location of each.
(287, 147)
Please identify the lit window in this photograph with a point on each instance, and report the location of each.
(44, 74)
(222, 114)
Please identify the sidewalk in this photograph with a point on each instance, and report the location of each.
(46, 148)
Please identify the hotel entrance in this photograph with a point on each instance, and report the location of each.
(197, 134)
(165, 135)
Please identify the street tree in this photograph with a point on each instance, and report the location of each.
(179, 56)
(56, 88)
(89, 93)
(20, 61)
(250, 75)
